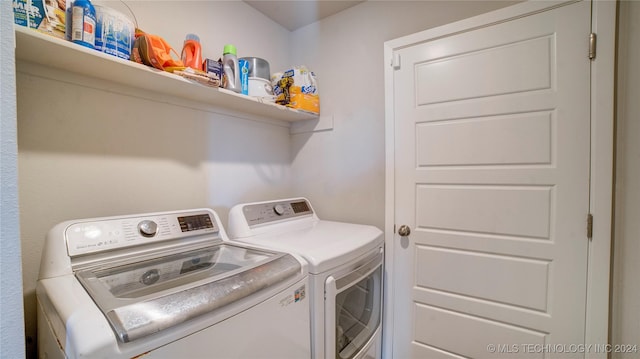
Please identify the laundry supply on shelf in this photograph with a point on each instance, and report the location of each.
(230, 75)
(83, 23)
(153, 50)
(198, 76)
(192, 52)
(297, 88)
(213, 69)
(47, 16)
(114, 32)
(243, 66)
(259, 79)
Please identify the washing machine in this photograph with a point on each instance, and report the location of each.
(168, 285)
(345, 270)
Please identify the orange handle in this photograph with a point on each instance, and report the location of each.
(191, 55)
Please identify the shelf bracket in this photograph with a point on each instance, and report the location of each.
(322, 123)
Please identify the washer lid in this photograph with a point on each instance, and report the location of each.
(324, 244)
(148, 296)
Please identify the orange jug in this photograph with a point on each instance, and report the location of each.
(191, 52)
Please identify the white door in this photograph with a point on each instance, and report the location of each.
(492, 158)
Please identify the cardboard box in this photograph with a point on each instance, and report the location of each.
(47, 16)
(213, 69)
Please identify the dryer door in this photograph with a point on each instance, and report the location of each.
(353, 308)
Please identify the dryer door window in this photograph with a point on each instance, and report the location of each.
(358, 308)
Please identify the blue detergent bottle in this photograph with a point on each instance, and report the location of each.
(67, 26)
(83, 23)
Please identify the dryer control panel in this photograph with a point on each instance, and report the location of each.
(267, 212)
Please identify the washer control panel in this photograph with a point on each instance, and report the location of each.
(267, 212)
(99, 235)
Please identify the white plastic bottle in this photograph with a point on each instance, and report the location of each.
(230, 69)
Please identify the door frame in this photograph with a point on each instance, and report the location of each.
(603, 17)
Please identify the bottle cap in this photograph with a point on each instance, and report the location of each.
(192, 37)
(229, 49)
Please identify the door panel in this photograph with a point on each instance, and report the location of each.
(501, 72)
(525, 139)
(446, 329)
(499, 210)
(465, 272)
(492, 175)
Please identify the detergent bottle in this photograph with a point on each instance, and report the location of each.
(192, 52)
(83, 23)
(230, 69)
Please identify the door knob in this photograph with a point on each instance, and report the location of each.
(404, 230)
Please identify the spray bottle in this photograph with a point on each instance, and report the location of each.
(192, 52)
(230, 69)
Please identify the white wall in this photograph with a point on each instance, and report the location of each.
(12, 323)
(342, 171)
(625, 327)
(86, 149)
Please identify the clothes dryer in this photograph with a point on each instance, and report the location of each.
(345, 270)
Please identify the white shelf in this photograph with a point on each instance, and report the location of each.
(35, 47)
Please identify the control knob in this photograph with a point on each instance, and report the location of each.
(279, 209)
(148, 228)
